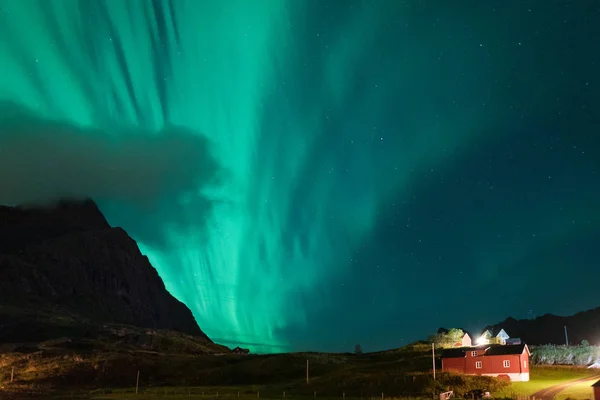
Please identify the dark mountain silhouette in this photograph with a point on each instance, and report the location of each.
(549, 329)
(63, 269)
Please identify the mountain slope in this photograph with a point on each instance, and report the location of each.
(66, 261)
(549, 329)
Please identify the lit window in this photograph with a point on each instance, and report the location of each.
(473, 354)
(524, 364)
(506, 363)
(478, 364)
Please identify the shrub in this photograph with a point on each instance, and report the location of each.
(462, 384)
(565, 355)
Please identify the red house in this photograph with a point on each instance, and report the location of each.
(596, 387)
(510, 362)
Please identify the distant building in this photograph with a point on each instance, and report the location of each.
(596, 387)
(510, 362)
(239, 350)
(502, 336)
(465, 341)
(488, 336)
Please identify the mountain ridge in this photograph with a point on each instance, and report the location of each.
(549, 328)
(67, 258)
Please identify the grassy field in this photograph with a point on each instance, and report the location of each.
(333, 389)
(579, 391)
(543, 377)
(176, 366)
(79, 373)
(182, 393)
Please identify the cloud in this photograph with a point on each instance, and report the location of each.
(144, 173)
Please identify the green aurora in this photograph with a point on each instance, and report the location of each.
(320, 118)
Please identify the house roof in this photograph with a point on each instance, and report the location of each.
(490, 350)
(494, 332)
(501, 350)
(487, 329)
(454, 353)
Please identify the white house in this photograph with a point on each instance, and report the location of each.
(487, 337)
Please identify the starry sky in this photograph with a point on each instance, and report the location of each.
(313, 174)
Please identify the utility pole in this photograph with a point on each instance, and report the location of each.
(307, 372)
(433, 358)
(566, 336)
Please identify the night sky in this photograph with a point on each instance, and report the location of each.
(310, 174)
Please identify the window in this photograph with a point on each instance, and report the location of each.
(478, 364)
(506, 363)
(524, 364)
(473, 354)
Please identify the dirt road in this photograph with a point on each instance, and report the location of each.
(549, 393)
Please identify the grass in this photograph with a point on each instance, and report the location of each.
(367, 370)
(187, 367)
(184, 394)
(77, 372)
(579, 391)
(543, 377)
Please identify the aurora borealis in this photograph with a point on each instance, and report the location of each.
(312, 174)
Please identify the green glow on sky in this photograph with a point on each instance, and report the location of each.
(329, 122)
(237, 72)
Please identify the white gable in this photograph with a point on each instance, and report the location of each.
(502, 334)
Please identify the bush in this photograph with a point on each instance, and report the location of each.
(462, 384)
(443, 340)
(565, 355)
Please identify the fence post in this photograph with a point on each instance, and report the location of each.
(344, 395)
(315, 394)
(258, 395)
(284, 394)
(12, 375)
(137, 382)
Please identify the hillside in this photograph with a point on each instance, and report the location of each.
(65, 263)
(80, 306)
(549, 329)
(112, 360)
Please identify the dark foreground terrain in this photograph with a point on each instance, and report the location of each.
(108, 364)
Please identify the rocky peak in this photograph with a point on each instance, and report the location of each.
(67, 256)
